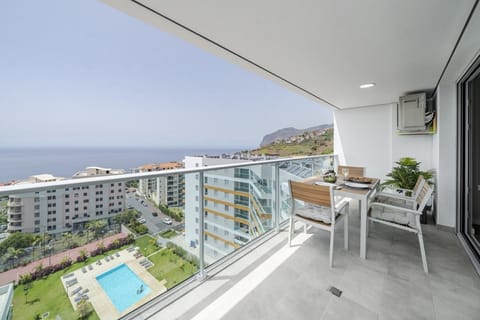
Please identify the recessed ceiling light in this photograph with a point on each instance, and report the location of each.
(367, 85)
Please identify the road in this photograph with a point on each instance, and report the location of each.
(154, 224)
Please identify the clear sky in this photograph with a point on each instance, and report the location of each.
(79, 73)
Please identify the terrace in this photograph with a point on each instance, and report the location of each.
(325, 51)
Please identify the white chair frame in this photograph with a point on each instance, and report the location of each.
(420, 201)
(321, 195)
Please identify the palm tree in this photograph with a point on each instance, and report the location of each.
(96, 226)
(14, 253)
(36, 242)
(68, 237)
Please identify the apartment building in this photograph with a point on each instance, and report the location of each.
(169, 190)
(65, 209)
(237, 204)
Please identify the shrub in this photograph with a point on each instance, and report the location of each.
(25, 278)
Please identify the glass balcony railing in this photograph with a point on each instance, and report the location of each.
(177, 238)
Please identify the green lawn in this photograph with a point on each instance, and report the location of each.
(168, 234)
(46, 295)
(171, 267)
(147, 244)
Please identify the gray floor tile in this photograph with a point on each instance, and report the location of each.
(343, 308)
(389, 285)
(404, 299)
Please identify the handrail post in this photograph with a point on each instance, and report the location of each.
(277, 197)
(201, 241)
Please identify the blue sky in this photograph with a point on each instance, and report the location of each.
(79, 73)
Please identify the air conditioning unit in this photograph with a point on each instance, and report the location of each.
(411, 112)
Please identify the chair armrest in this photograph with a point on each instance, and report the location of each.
(398, 190)
(379, 204)
(395, 196)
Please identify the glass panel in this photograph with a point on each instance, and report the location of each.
(238, 208)
(298, 170)
(237, 205)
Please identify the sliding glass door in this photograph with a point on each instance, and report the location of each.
(469, 159)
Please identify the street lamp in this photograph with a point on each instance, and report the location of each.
(44, 238)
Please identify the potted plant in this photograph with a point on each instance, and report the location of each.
(405, 174)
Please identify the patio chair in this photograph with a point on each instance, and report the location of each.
(404, 217)
(399, 196)
(352, 171)
(315, 205)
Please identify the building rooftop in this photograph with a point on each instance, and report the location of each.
(160, 166)
(97, 171)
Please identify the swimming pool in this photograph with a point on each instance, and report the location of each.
(123, 286)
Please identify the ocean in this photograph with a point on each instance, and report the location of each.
(20, 163)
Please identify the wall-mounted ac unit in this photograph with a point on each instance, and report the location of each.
(411, 113)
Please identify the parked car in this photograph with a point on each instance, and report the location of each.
(167, 221)
(141, 220)
(154, 214)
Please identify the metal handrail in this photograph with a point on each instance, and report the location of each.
(40, 186)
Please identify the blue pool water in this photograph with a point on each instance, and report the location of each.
(122, 286)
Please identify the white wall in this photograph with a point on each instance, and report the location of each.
(362, 137)
(368, 137)
(445, 145)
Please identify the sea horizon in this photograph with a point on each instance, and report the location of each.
(18, 163)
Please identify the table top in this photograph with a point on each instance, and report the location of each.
(344, 189)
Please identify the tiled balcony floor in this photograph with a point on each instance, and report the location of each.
(278, 282)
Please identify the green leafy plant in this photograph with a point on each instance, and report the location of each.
(405, 174)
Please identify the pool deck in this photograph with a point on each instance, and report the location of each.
(86, 279)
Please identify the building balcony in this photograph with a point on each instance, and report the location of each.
(13, 203)
(389, 284)
(14, 227)
(297, 278)
(15, 217)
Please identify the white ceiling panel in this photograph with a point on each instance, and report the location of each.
(325, 49)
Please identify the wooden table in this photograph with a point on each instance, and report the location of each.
(362, 195)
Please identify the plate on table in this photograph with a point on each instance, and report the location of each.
(360, 180)
(359, 185)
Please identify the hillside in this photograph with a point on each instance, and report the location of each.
(308, 143)
(285, 133)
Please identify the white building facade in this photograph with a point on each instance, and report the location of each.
(65, 209)
(237, 204)
(168, 190)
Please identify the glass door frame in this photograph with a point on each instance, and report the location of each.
(464, 152)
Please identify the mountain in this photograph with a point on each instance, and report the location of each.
(285, 133)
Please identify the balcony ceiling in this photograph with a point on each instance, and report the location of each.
(324, 49)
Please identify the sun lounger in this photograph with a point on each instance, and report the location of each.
(85, 291)
(84, 270)
(147, 265)
(107, 259)
(90, 267)
(80, 297)
(75, 291)
(68, 275)
(70, 283)
(99, 262)
(117, 254)
(130, 249)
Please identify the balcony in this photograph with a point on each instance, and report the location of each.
(15, 217)
(295, 281)
(297, 278)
